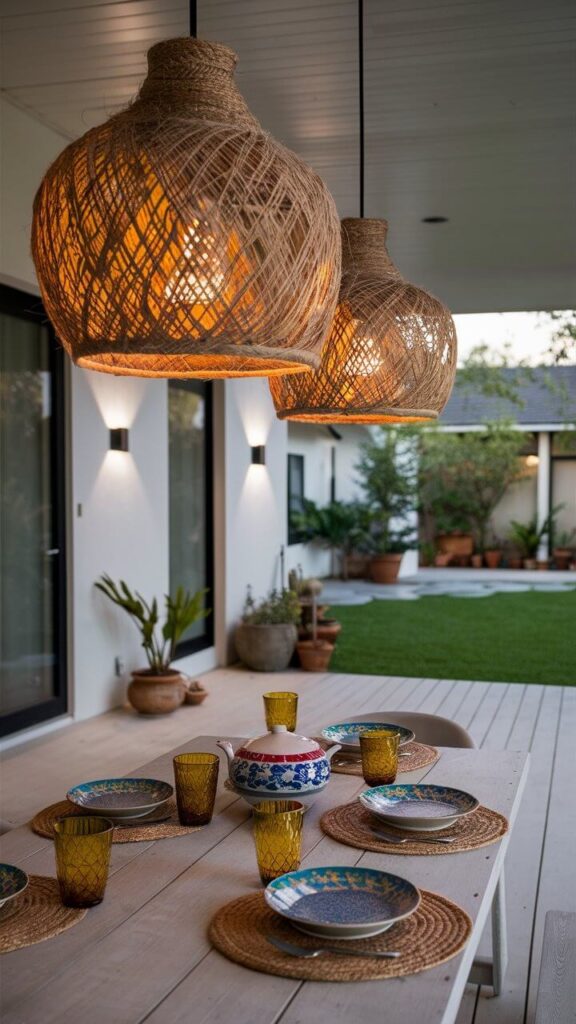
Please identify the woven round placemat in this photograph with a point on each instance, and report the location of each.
(36, 915)
(436, 932)
(412, 756)
(351, 824)
(43, 824)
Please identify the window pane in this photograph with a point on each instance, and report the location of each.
(295, 495)
(188, 448)
(27, 658)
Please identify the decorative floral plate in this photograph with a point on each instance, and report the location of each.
(342, 902)
(418, 808)
(120, 798)
(13, 881)
(347, 734)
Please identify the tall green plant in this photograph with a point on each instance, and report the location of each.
(463, 477)
(340, 526)
(181, 612)
(388, 475)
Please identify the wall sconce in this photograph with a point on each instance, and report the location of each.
(258, 454)
(119, 439)
(532, 460)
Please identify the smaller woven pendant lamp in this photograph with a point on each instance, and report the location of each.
(390, 356)
(180, 240)
(391, 352)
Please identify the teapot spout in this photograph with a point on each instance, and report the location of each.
(226, 746)
(333, 750)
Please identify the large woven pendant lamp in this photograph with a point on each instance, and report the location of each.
(180, 240)
(390, 356)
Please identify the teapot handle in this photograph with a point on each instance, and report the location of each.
(333, 750)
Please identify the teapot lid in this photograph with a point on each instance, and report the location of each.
(279, 743)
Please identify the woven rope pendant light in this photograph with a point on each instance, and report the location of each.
(180, 240)
(390, 356)
(391, 352)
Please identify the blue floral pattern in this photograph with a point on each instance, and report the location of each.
(280, 776)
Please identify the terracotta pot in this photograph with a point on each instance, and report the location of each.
(385, 568)
(562, 557)
(441, 561)
(460, 544)
(493, 558)
(151, 694)
(515, 563)
(542, 564)
(476, 561)
(314, 657)
(357, 566)
(529, 563)
(326, 629)
(195, 694)
(266, 648)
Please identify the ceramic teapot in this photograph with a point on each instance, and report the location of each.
(279, 765)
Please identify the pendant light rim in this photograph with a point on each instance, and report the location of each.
(317, 414)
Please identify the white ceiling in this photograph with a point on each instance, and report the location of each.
(469, 115)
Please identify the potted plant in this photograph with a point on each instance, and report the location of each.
(563, 549)
(493, 552)
(158, 689)
(266, 637)
(314, 653)
(477, 560)
(340, 526)
(388, 475)
(527, 537)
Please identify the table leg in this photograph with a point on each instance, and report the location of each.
(491, 972)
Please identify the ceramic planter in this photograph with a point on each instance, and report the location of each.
(279, 765)
(515, 563)
(529, 563)
(266, 648)
(314, 656)
(357, 567)
(152, 694)
(493, 558)
(476, 561)
(460, 545)
(328, 629)
(562, 557)
(385, 568)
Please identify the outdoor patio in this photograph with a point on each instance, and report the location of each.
(540, 866)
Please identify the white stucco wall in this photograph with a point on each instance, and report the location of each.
(315, 443)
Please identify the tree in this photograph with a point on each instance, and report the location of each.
(463, 477)
(563, 345)
(389, 477)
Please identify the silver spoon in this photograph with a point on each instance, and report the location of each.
(308, 954)
(390, 838)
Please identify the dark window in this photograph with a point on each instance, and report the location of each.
(295, 496)
(32, 516)
(190, 496)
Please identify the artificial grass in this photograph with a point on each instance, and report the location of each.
(520, 638)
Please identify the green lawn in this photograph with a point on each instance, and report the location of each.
(522, 638)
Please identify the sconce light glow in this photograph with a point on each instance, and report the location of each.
(532, 460)
(258, 454)
(119, 439)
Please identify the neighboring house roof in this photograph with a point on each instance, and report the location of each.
(547, 395)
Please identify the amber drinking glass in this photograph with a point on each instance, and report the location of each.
(379, 751)
(281, 708)
(277, 828)
(82, 846)
(196, 778)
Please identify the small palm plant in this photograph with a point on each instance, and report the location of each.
(181, 612)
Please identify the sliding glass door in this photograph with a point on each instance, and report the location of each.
(32, 530)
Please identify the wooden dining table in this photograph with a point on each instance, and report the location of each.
(144, 954)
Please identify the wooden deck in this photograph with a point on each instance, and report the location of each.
(541, 866)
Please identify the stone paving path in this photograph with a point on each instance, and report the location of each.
(448, 583)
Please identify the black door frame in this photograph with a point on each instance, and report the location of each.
(206, 640)
(29, 307)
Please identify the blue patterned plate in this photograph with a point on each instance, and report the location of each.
(348, 733)
(342, 903)
(418, 808)
(120, 798)
(13, 881)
